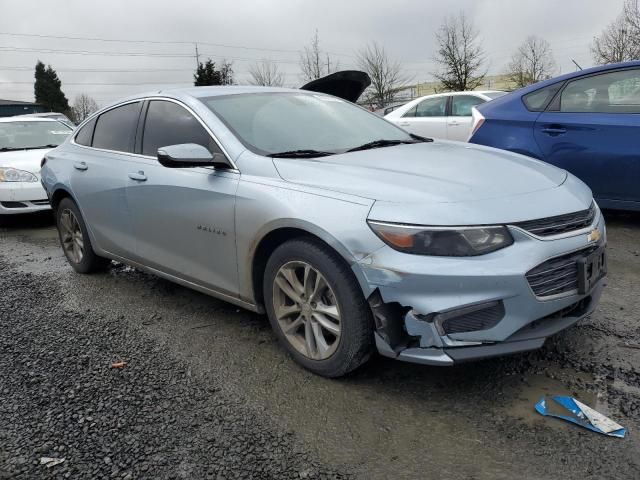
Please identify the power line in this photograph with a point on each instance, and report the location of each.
(86, 52)
(163, 42)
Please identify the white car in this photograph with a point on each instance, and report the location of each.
(53, 116)
(23, 143)
(445, 115)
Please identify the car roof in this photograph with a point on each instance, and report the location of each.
(578, 73)
(26, 118)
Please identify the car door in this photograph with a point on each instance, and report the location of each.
(591, 129)
(103, 149)
(428, 118)
(183, 217)
(459, 120)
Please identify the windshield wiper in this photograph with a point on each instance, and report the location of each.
(388, 143)
(10, 149)
(300, 154)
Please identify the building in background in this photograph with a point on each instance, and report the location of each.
(9, 108)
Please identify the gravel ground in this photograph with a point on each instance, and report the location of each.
(206, 392)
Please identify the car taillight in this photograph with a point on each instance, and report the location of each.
(477, 121)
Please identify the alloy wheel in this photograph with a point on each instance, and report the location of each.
(306, 309)
(71, 236)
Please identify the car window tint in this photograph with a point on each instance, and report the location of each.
(538, 100)
(432, 107)
(168, 123)
(461, 104)
(116, 128)
(615, 92)
(85, 134)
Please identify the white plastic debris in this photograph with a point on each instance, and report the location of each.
(50, 462)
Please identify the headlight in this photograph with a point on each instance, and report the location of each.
(442, 241)
(8, 174)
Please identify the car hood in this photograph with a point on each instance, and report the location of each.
(437, 172)
(348, 84)
(28, 160)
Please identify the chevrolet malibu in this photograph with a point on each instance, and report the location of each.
(350, 233)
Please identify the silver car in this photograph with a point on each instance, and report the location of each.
(351, 234)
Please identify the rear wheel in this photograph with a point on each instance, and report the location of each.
(75, 240)
(317, 308)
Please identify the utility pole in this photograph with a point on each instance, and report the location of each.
(197, 56)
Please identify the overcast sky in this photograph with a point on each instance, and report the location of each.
(246, 31)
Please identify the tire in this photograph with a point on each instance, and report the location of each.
(68, 220)
(354, 344)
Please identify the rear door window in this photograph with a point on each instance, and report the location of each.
(614, 92)
(461, 104)
(168, 123)
(116, 128)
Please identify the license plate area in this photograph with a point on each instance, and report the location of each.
(591, 269)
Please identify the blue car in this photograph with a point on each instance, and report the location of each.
(586, 122)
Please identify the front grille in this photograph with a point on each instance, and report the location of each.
(546, 227)
(480, 319)
(558, 275)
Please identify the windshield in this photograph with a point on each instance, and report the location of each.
(269, 123)
(493, 95)
(25, 135)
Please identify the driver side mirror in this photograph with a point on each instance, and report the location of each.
(190, 155)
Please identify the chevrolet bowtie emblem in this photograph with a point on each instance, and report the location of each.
(594, 235)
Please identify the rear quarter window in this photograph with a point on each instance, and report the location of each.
(85, 134)
(538, 100)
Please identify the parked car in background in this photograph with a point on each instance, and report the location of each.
(53, 116)
(389, 108)
(23, 143)
(445, 115)
(587, 122)
(349, 232)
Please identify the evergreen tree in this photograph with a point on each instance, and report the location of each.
(208, 74)
(47, 89)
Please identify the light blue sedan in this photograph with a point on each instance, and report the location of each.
(351, 234)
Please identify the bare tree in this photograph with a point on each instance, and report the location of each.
(82, 107)
(266, 73)
(532, 61)
(314, 63)
(386, 77)
(460, 55)
(620, 40)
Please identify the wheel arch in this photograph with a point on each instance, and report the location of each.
(275, 234)
(58, 194)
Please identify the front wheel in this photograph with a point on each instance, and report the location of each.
(75, 240)
(317, 308)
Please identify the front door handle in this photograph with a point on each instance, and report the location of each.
(554, 130)
(453, 124)
(404, 124)
(80, 165)
(139, 176)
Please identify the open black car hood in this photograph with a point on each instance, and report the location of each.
(348, 84)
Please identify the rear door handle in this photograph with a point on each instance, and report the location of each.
(554, 130)
(139, 176)
(453, 124)
(80, 165)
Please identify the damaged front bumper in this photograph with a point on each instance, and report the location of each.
(444, 310)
